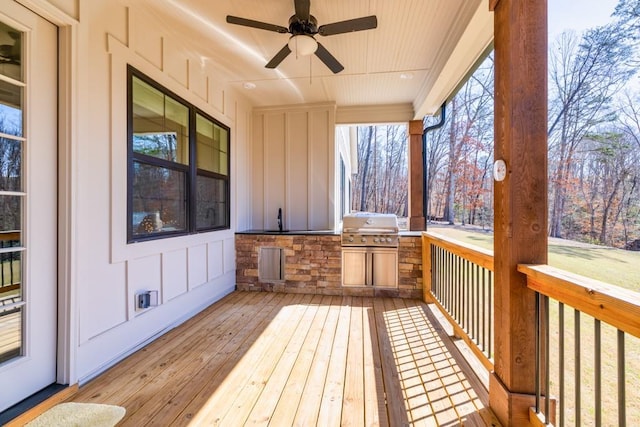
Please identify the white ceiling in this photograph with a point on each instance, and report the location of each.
(416, 56)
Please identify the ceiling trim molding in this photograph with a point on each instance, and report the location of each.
(297, 107)
(360, 114)
(53, 13)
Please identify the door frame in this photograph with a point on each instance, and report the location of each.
(68, 134)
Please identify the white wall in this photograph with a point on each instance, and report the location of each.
(188, 272)
(293, 167)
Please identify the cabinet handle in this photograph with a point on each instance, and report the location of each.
(369, 273)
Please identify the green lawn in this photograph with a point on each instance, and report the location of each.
(615, 266)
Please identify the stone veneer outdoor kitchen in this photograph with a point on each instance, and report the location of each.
(313, 265)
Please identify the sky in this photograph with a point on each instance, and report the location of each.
(578, 14)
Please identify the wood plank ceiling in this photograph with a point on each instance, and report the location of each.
(400, 62)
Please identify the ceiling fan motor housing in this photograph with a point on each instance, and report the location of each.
(302, 23)
(300, 27)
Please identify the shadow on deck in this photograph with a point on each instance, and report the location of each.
(285, 359)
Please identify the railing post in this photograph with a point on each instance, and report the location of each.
(426, 270)
(520, 202)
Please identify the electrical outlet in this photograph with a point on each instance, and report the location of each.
(146, 299)
(143, 300)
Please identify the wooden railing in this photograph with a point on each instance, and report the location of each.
(587, 362)
(597, 347)
(458, 279)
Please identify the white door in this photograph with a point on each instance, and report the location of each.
(28, 203)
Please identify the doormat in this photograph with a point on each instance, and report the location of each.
(79, 414)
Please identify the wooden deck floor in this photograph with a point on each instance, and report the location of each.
(286, 359)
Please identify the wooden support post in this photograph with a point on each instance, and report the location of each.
(520, 203)
(416, 176)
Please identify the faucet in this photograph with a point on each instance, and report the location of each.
(280, 219)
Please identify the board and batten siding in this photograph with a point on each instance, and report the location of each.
(189, 272)
(293, 167)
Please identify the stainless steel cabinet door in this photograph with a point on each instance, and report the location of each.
(355, 268)
(385, 268)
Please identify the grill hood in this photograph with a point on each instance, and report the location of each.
(368, 222)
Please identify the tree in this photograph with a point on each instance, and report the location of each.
(465, 145)
(628, 12)
(381, 182)
(584, 75)
(606, 168)
(365, 138)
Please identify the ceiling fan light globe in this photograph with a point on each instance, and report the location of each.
(303, 45)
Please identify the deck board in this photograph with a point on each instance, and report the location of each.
(353, 404)
(183, 362)
(291, 359)
(287, 406)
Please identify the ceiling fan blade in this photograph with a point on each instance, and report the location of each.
(302, 9)
(328, 59)
(256, 24)
(276, 60)
(358, 24)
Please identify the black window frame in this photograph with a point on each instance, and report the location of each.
(190, 170)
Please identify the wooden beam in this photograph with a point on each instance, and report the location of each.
(477, 255)
(520, 202)
(416, 176)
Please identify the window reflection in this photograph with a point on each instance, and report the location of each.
(11, 331)
(10, 109)
(159, 200)
(10, 164)
(212, 141)
(11, 272)
(10, 52)
(211, 203)
(10, 212)
(11, 125)
(160, 124)
(178, 179)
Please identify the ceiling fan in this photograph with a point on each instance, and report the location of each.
(303, 27)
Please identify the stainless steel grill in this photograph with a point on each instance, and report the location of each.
(370, 229)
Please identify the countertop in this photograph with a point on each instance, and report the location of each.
(292, 232)
(314, 232)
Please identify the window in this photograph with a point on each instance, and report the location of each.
(178, 165)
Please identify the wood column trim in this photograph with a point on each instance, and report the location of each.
(416, 176)
(520, 202)
(504, 402)
(493, 4)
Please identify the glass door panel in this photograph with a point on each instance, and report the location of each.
(28, 202)
(12, 197)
